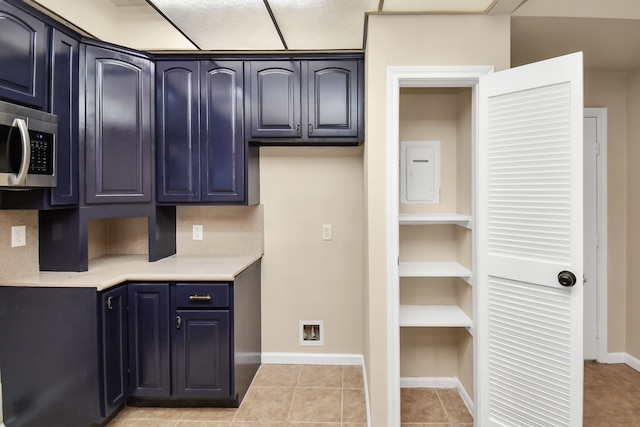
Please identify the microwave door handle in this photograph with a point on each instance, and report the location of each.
(20, 178)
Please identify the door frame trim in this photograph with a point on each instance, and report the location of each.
(413, 76)
(600, 114)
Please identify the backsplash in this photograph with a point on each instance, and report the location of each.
(21, 260)
(227, 230)
(128, 236)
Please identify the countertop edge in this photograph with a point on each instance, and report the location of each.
(112, 270)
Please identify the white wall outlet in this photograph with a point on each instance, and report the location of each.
(197, 232)
(18, 235)
(312, 332)
(327, 232)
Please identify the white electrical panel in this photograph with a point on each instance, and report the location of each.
(420, 172)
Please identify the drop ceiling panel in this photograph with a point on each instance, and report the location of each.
(436, 5)
(223, 24)
(322, 24)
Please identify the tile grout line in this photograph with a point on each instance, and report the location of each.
(444, 408)
(293, 398)
(342, 397)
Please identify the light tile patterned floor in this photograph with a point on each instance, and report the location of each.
(333, 396)
(429, 407)
(280, 396)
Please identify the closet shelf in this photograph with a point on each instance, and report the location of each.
(434, 316)
(433, 269)
(435, 219)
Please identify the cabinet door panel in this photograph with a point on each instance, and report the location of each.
(149, 363)
(114, 348)
(333, 98)
(118, 132)
(222, 140)
(64, 103)
(275, 99)
(202, 360)
(177, 110)
(23, 42)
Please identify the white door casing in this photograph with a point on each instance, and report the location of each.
(397, 77)
(530, 228)
(595, 234)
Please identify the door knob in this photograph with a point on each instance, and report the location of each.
(566, 278)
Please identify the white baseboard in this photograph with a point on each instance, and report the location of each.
(632, 361)
(625, 358)
(312, 359)
(438, 382)
(616, 357)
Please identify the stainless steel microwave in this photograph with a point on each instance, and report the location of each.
(27, 147)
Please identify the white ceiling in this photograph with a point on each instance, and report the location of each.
(216, 25)
(607, 31)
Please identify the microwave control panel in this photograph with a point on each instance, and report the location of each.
(42, 151)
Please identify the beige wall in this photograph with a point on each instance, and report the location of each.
(633, 227)
(132, 24)
(304, 277)
(608, 89)
(406, 40)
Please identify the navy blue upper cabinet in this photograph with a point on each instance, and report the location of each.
(118, 127)
(23, 55)
(307, 102)
(64, 103)
(275, 99)
(202, 153)
(332, 88)
(221, 137)
(178, 131)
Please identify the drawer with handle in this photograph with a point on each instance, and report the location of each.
(202, 295)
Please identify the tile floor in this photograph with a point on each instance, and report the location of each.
(280, 396)
(429, 407)
(611, 395)
(333, 396)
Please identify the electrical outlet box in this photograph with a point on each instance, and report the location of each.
(197, 232)
(18, 236)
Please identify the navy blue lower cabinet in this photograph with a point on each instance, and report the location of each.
(201, 341)
(114, 324)
(49, 357)
(149, 360)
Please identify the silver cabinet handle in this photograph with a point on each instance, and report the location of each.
(20, 178)
(178, 322)
(200, 298)
(310, 128)
(297, 129)
(110, 303)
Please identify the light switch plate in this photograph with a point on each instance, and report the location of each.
(18, 236)
(327, 232)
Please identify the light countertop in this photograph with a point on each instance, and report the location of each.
(112, 270)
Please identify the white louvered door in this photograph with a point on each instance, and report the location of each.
(530, 363)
